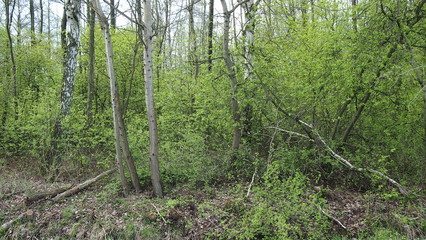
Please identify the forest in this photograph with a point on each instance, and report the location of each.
(204, 119)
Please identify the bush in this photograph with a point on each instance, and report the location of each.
(282, 209)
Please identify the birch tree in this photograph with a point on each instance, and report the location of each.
(72, 43)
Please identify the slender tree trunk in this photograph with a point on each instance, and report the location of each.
(113, 15)
(18, 22)
(250, 10)
(121, 143)
(355, 118)
(91, 74)
(354, 13)
(230, 65)
(193, 58)
(32, 22)
(41, 19)
(342, 110)
(9, 17)
(162, 40)
(249, 13)
(210, 36)
(149, 98)
(304, 10)
(367, 96)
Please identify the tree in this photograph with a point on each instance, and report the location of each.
(210, 36)
(72, 35)
(91, 72)
(10, 6)
(230, 66)
(32, 22)
(149, 99)
(121, 143)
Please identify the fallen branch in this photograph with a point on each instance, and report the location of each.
(289, 132)
(251, 183)
(25, 215)
(81, 186)
(333, 218)
(314, 135)
(32, 198)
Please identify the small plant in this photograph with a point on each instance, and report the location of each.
(281, 209)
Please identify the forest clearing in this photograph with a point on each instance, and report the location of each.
(213, 119)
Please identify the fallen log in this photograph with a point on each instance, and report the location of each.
(25, 215)
(38, 196)
(81, 186)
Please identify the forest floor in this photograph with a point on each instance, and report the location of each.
(101, 212)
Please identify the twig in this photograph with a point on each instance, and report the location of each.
(159, 214)
(289, 132)
(251, 183)
(333, 218)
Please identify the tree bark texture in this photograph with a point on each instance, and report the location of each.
(193, 58)
(10, 7)
(113, 15)
(210, 36)
(91, 75)
(121, 143)
(149, 98)
(249, 14)
(41, 19)
(230, 65)
(72, 35)
(32, 22)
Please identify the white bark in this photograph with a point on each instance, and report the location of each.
(149, 98)
(72, 11)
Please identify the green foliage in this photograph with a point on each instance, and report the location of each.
(282, 209)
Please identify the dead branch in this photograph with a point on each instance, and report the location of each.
(32, 198)
(333, 218)
(289, 132)
(25, 215)
(251, 183)
(81, 186)
(347, 163)
(315, 136)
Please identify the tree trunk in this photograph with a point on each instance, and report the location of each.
(32, 22)
(210, 36)
(249, 13)
(230, 65)
(149, 98)
(91, 74)
(355, 118)
(367, 95)
(113, 15)
(63, 32)
(354, 17)
(41, 19)
(193, 58)
(81, 186)
(9, 17)
(121, 144)
(72, 11)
